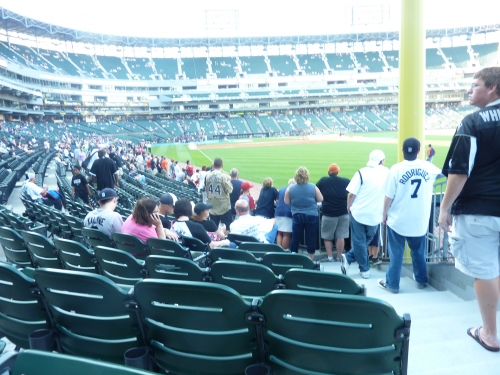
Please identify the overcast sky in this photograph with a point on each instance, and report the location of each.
(201, 18)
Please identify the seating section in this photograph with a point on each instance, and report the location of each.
(487, 54)
(253, 64)
(283, 65)
(392, 58)
(141, 67)
(113, 65)
(195, 67)
(457, 55)
(433, 59)
(224, 67)
(312, 64)
(340, 61)
(167, 68)
(87, 64)
(370, 61)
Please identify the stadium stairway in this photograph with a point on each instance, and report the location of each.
(439, 344)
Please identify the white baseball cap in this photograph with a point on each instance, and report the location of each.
(376, 156)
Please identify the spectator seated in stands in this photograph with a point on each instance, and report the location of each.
(41, 194)
(145, 221)
(104, 218)
(201, 213)
(263, 229)
(183, 211)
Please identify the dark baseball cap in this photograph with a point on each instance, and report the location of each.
(167, 199)
(200, 207)
(106, 193)
(411, 147)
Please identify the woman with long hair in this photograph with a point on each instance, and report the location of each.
(145, 220)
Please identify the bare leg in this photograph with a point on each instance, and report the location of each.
(339, 244)
(488, 294)
(329, 248)
(279, 238)
(311, 256)
(373, 251)
(285, 244)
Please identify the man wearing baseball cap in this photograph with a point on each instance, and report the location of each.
(407, 209)
(335, 220)
(167, 202)
(104, 218)
(365, 205)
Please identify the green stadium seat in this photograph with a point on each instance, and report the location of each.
(76, 257)
(131, 244)
(119, 266)
(90, 313)
(321, 333)
(324, 282)
(280, 263)
(259, 249)
(14, 248)
(173, 268)
(197, 328)
(21, 310)
(42, 250)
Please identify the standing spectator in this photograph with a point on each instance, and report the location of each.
(407, 209)
(172, 168)
(145, 221)
(335, 219)
(430, 153)
(81, 157)
(267, 198)
(79, 186)
(245, 195)
(201, 183)
(304, 198)
(283, 216)
(104, 171)
(472, 193)
(189, 169)
(140, 162)
(235, 194)
(164, 166)
(218, 188)
(104, 218)
(365, 205)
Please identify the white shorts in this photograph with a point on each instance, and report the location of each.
(475, 244)
(284, 224)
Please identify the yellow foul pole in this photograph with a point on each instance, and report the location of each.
(411, 74)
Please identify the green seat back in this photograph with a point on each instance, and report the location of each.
(74, 256)
(90, 314)
(21, 311)
(65, 229)
(240, 238)
(251, 280)
(194, 244)
(325, 282)
(164, 247)
(172, 268)
(94, 238)
(131, 244)
(32, 362)
(235, 255)
(260, 249)
(282, 262)
(323, 333)
(42, 250)
(197, 328)
(14, 248)
(119, 266)
(76, 225)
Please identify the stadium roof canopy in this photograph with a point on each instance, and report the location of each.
(14, 22)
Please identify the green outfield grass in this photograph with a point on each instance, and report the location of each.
(280, 161)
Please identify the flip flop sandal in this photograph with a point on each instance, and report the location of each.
(477, 338)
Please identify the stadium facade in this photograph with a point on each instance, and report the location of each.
(249, 85)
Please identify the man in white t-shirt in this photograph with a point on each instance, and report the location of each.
(263, 229)
(364, 205)
(407, 209)
(140, 162)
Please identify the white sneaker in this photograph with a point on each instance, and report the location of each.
(345, 265)
(365, 275)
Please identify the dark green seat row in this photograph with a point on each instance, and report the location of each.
(207, 328)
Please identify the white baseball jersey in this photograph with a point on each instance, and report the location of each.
(368, 204)
(410, 185)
